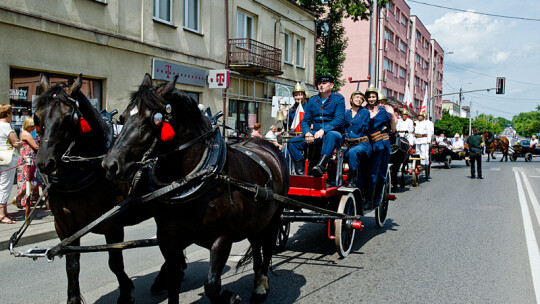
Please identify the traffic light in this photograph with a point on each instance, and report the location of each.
(500, 85)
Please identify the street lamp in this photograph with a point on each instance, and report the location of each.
(433, 81)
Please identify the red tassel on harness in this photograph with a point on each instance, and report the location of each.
(84, 127)
(167, 132)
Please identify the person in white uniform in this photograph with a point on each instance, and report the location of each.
(405, 127)
(457, 144)
(423, 133)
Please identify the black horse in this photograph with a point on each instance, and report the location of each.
(70, 126)
(164, 128)
(399, 158)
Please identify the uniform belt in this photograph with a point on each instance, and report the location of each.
(379, 136)
(420, 135)
(349, 142)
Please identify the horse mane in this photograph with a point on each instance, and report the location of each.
(184, 108)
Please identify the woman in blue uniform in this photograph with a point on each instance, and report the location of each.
(356, 139)
(300, 98)
(382, 121)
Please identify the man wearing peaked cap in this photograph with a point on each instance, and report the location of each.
(325, 112)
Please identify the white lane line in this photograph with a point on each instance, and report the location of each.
(532, 244)
(534, 176)
(532, 196)
(495, 169)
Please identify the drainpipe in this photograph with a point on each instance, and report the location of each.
(226, 99)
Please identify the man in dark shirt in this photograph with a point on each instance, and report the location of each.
(475, 152)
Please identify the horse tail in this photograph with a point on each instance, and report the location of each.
(246, 259)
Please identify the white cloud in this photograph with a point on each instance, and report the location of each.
(473, 38)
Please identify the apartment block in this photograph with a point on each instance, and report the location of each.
(266, 45)
(406, 56)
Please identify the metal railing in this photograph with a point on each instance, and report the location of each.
(249, 52)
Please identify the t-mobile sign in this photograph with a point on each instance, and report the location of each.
(218, 79)
(186, 75)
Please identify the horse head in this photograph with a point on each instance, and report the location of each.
(64, 115)
(156, 121)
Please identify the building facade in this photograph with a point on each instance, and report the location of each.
(405, 57)
(451, 107)
(266, 46)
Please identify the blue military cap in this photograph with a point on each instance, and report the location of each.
(322, 78)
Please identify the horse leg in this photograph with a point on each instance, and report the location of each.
(116, 264)
(219, 253)
(171, 249)
(73, 268)
(393, 172)
(403, 172)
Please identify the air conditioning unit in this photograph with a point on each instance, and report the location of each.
(386, 49)
(385, 79)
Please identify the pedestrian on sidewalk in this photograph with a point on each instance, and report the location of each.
(8, 143)
(475, 152)
(27, 187)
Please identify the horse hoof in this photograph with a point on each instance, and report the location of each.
(257, 298)
(228, 297)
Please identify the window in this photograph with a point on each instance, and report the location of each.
(425, 65)
(299, 52)
(387, 65)
(389, 6)
(401, 97)
(385, 92)
(418, 36)
(402, 72)
(397, 15)
(163, 10)
(403, 47)
(287, 49)
(244, 25)
(416, 81)
(388, 35)
(417, 58)
(426, 44)
(395, 70)
(403, 20)
(191, 14)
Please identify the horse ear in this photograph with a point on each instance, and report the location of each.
(168, 87)
(76, 86)
(147, 80)
(44, 82)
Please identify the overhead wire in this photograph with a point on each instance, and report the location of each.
(474, 12)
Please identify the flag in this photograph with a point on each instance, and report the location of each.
(407, 99)
(424, 103)
(298, 116)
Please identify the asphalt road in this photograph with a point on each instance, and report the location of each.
(450, 240)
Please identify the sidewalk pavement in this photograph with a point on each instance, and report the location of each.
(41, 228)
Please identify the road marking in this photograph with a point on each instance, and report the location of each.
(534, 176)
(495, 169)
(532, 244)
(538, 169)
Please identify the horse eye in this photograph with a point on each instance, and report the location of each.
(158, 118)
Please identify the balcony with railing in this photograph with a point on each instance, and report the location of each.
(253, 57)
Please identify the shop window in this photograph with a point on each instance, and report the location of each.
(242, 115)
(24, 91)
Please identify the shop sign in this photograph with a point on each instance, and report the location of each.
(19, 94)
(186, 75)
(218, 79)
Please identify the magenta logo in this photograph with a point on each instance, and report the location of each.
(168, 70)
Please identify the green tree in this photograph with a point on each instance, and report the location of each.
(527, 123)
(449, 125)
(331, 44)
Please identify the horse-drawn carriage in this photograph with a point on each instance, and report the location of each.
(523, 151)
(440, 153)
(202, 191)
(329, 197)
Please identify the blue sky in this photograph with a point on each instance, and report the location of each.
(486, 47)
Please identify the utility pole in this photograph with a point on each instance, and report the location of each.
(470, 118)
(373, 58)
(459, 102)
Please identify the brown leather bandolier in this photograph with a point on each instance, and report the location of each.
(349, 142)
(379, 136)
(420, 135)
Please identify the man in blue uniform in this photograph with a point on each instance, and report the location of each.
(325, 113)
